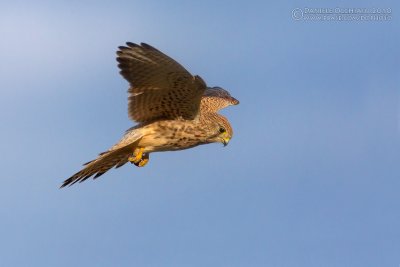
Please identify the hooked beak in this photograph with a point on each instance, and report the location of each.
(225, 141)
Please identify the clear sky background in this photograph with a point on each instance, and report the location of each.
(310, 178)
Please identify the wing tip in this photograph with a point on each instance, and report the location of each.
(132, 45)
(147, 46)
(234, 101)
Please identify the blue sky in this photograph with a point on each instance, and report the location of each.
(311, 177)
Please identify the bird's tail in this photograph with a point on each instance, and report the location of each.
(104, 162)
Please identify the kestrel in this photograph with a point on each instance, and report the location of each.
(174, 111)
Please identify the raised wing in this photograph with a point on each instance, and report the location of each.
(160, 88)
(216, 98)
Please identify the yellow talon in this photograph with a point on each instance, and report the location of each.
(137, 156)
(143, 161)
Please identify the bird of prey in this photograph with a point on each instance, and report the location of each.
(174, 110)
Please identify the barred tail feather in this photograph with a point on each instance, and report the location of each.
(102, 164)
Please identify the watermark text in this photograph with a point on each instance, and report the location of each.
(341, 14)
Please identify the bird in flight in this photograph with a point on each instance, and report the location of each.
(174, 110)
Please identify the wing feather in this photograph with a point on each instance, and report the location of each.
(215, 99)
(160, 88)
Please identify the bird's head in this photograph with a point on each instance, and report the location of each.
(221, 130)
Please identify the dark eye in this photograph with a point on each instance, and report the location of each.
(222, 130)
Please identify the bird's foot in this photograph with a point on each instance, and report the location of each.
(143, 161)
(139, 158)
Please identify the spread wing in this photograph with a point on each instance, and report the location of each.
(215, 99)
(160, 88)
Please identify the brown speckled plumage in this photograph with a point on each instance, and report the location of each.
(174, 110)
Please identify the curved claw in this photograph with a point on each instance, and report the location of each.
(137, 156)
(143, 161)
